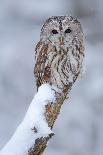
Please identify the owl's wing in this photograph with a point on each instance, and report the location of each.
(41, 70)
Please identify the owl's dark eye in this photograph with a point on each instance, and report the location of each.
(68, 30)
(54, 31)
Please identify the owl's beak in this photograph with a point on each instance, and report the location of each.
(61, 40)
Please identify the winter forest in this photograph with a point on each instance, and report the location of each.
(79, 127)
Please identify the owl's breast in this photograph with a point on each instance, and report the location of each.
(59, 69)
(65, 66)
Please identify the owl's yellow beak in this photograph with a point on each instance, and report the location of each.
(61, 40)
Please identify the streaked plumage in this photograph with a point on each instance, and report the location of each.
(59, 53)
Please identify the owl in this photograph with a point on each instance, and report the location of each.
(59, 53)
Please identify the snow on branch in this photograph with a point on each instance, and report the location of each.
(34, 126)
(34, 132)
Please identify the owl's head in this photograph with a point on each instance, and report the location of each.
(61, 30)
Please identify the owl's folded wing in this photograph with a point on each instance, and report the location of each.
(41, 70)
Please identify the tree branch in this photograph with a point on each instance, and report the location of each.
(35, 130)
(33, 134)
(51, 113)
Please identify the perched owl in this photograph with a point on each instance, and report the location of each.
(59, 53)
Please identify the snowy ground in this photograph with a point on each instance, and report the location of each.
(79, 128)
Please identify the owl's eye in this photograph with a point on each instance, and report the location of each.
(68, 30)
(54, 31)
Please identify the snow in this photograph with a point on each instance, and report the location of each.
(24, 137)
(82, 114)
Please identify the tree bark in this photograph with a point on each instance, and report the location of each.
(51, 113)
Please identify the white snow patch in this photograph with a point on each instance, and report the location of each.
(24, 137)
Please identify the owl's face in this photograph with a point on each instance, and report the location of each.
(61, 31)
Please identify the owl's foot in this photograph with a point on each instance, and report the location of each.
(56, 90)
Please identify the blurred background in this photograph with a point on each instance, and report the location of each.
(79, 128)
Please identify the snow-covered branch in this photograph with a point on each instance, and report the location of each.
(34, 126)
